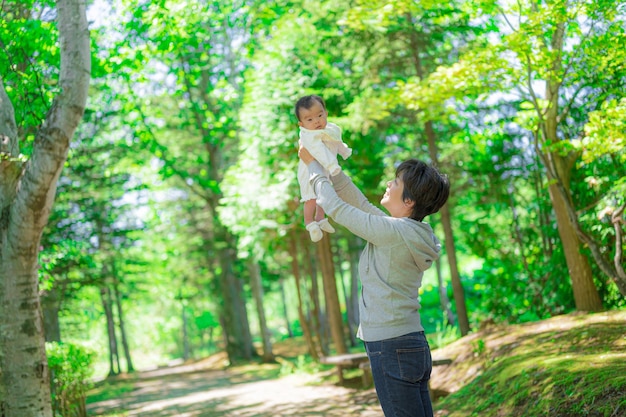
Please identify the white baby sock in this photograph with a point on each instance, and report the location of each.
(325, 226)
(315, 231)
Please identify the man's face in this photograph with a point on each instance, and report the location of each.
(314, 118)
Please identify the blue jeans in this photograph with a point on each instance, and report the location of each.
(401, 368)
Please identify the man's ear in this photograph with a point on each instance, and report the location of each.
(409, 203)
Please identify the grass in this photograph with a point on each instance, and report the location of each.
(573, 365)
(108, 390)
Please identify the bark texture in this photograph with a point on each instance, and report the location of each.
(27, 193)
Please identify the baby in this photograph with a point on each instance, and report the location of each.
(323, 141)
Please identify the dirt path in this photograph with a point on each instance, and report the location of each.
(199, 391)
(206, 389)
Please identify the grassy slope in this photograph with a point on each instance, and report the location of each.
(571, 365)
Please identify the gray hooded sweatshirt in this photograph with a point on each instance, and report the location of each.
(391, 267)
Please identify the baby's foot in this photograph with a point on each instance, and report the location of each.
(325, 226)
(314, 231)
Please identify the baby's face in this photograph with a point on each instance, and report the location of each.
(314, 118)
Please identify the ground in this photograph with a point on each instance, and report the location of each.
(208, 389)
(214, 393)
(570, 365)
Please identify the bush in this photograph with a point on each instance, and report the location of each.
(70, 369)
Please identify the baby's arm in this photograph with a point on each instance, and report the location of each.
(334, 134)
(344, 151)
(320, 152)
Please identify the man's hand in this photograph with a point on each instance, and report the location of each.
(305, 155)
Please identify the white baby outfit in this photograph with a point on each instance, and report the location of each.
(324, 145)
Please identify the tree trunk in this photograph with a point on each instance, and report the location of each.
(315, 312)
(443, 296)
(283, 298)
(337, 260)
(185, 326)
(543, 209)
(314, 349)
(24, 212)
(457, 286)
(585, 292)
(50, 305)
(617, 220)
(559, 169)
(331, 297)
(446, 222)
(234, 315)
(257, 292)
(459, 293)
(355, 245)
(107, 305)
(120, 314)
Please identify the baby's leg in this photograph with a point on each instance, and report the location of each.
(309, 211)
(309, 220)
(319, 213)
(323, 221)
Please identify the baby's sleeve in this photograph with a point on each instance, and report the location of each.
(319, 151)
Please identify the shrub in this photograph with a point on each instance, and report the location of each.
(70, 368)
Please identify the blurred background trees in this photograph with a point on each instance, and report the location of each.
(176, 231)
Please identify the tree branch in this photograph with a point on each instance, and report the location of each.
(617, 220)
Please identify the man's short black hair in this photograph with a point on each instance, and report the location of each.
(425, 186)
(307, 102)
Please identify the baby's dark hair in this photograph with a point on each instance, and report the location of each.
(425, 186)
(307, 102)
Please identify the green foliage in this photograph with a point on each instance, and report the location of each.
(71, 366)
(605, 133)
(478, 347)
(300, 364)
(29, 62)
(107, 390)
(443, 335)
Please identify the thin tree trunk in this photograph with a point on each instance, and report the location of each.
(314, 350)
(518, 233)
(444, 301)
(120, 314)
(617, 220)
(544, 215)
(354, 249)
(185, 325)
(108, 312)
(316, 314)
(50, 304)
(331, 297)
(457, 286)
(257, 292)
(337, 260)
(536, 288)
(234, 316)
(283, 298)
(459, 292)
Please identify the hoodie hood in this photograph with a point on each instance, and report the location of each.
(423, 245)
